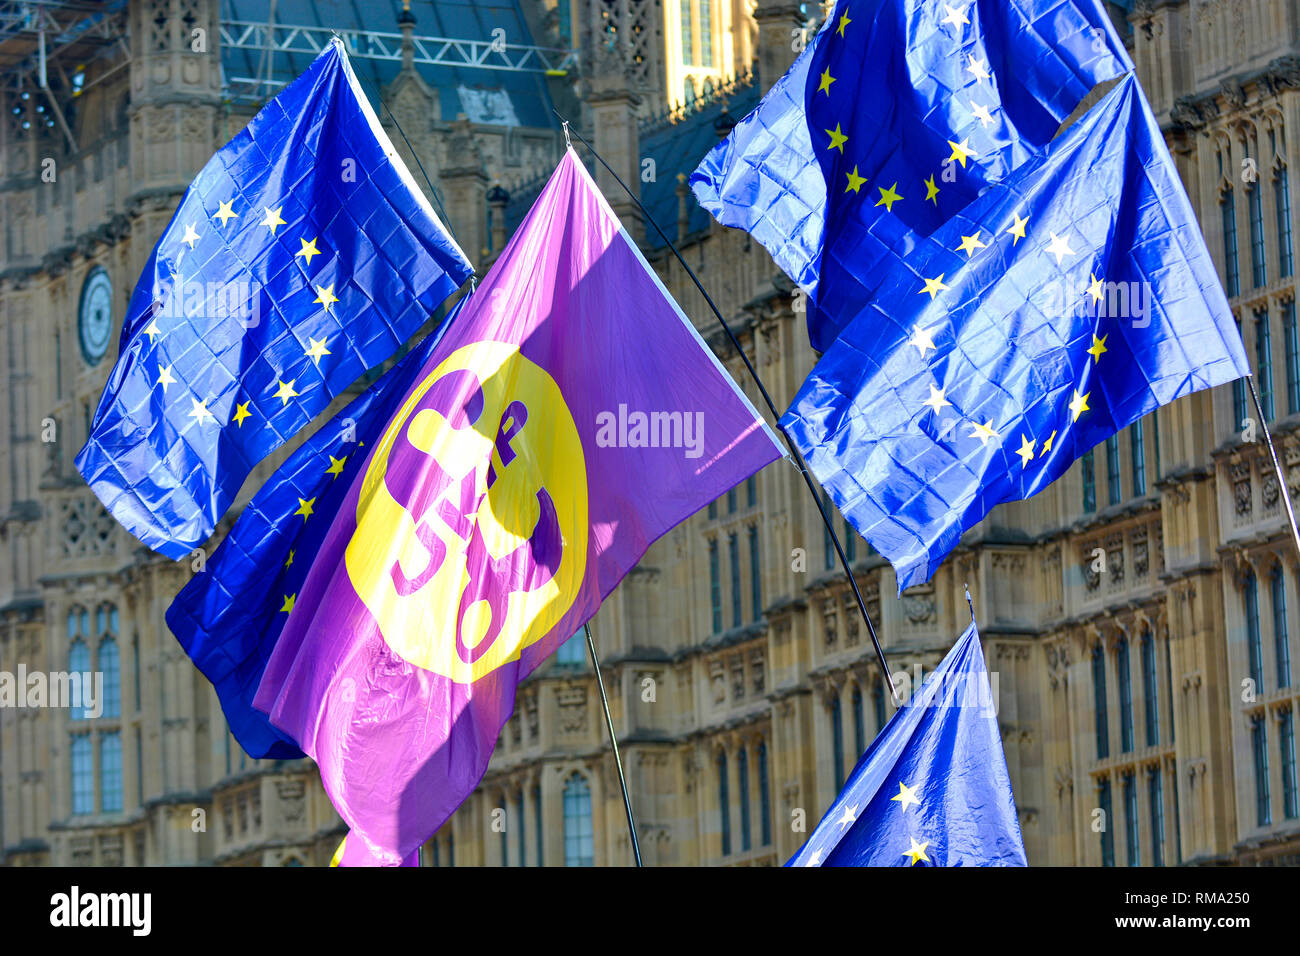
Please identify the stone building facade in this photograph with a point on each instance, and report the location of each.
(1142, 614)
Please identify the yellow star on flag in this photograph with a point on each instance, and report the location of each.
(933, 286)
(826, 82)
(307, 251)
(225, 213)
(317, 350)
(906, 795)
(922, 339)
(936, 400)
(1079, 404)
(241, 412)
(931, 190)
(1098, 347)
(191, 235)
(983, 432)
(961, 152)
(917, 851)
(970, 243)
(325, 295)
(304, 507)
(290, 560)
(1094, 288)
(1047, 445)
(1017, 228)
(838, 139)
(888, 197)
(272, 220)
(286, 392)
(1026, 450)
(165, 378)
(844, 22)
(336, 466)
(855, 181)
(152, 330)
(288, 603)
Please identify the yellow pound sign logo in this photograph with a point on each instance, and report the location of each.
(471, 538)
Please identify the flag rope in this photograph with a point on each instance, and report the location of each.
(1277, 465)
(795, 457)
(613, 742)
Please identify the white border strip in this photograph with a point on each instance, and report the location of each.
(704, 347)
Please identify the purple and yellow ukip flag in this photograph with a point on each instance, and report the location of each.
(569, 417)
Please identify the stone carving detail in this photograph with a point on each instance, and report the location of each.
(530, 715)
(828, 615)
(758, 672)
(1239, 473)
(110, 851)
(737, 678)
(1141, 553)
(718, 681)
(852, 617)
(572, 702)
(1115, 560)
(1091, 576)
(293, 804)
(1269, 490)
(87, 528)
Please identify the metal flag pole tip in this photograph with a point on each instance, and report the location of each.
(969, 603)
(568, 143)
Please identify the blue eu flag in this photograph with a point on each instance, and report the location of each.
(302, 255)
(932, 789)
(1065, 303)
(230, 615)
(897, 115)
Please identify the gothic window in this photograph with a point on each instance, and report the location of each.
(837, 739)
(110, 772)
(1232, 275)
(1150, 693)
(79, 663)
(1258, 271)
(1282, 186)
(1086, 465)
(742, 777)
(850, 541)
(83, 775)
(724, 803)
(859, 728)
(1099, 703)
(751, 491)
(1137, 448)
(1114, 490)
(579, 848)
(1291, 336)
(1254, 645)
(1277, 585)
(828, 541)
(520, 835)
(1155, 441)
(1108, 829)
(109, 666)
(1290, 795)
(1156, 799)
(1264, 362)
(878, 701)
(537, 822)
(731, 501)
(715, 587)
(1239, 390)
(1125, 674)
(755, 573)
(1259, 742)
(733, 556)
(1132, 848)
(573, 652)
(765, 796)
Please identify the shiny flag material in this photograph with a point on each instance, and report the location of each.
(933, 788)
(230, 615)
(570, 417)
(302, 255)
(896, 116)
(1064, 304)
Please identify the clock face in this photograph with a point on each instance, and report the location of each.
(95, 319)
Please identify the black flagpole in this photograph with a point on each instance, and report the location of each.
(613, 742)
(776, 416)
(1277, 465)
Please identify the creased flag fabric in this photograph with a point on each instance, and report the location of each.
(302, 255)
(570, 417)
(230, 614)
(933, 788)
(897, 115)
(978, 375)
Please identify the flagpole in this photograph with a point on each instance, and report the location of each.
(776, 416)
(613, 742)
(1277, 465)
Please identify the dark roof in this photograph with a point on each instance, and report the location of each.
(455, 19)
